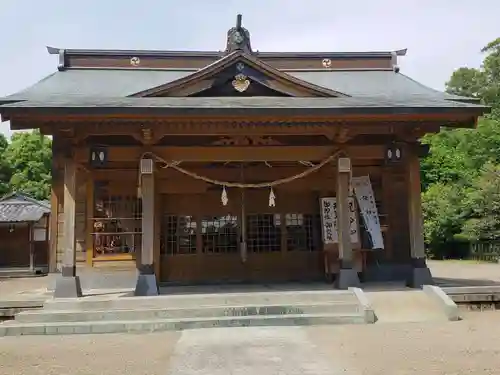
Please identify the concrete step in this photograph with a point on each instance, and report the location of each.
(405, 306)
(47, 316)
(200, 300)
(14, 328)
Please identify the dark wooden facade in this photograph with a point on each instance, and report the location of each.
(273, 125)
(24, 230)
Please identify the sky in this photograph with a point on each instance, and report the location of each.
(441, 35)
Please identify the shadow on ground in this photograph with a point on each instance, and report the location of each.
(447, 282)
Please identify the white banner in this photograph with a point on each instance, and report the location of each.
(329, 220)
(366, 201)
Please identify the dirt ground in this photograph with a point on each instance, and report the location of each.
(466, 272)
(87, 354)
(470, 347)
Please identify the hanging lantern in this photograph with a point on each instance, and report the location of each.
(272, 198)
(393, 153)
(98, 157)
(223, 197)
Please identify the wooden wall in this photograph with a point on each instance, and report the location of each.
(14, 246)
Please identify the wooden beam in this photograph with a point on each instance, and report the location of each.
(213, 154)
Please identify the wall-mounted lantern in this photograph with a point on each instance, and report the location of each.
(393, 153)
(98, 157)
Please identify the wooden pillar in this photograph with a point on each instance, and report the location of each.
(69, 284)
(54, 212)
(146, 282)
(32, 246)
(157, 231)
(420, 274)
(347, 276)
(89, 212)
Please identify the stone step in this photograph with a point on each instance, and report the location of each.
(47, 316)
(199, 300)
(13, 328)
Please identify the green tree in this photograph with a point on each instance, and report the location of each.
(443, 215)
(459, 176)
(5, 170)
(483, 201)
(30, 158)
(482, 83)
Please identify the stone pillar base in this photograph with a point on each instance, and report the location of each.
(68, 287)
(146, 282)
(420, 274)
(347, 277)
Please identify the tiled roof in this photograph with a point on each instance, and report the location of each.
(18, 208)
(238, 102)
(114, 83)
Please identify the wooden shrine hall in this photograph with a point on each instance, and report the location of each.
(236, 166)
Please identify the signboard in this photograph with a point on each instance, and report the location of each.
(329, 220)
(39, 234)
(366, 201)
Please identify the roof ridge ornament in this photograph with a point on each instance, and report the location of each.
(238, 38)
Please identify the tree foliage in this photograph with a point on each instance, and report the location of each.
(5, 170)
(461, 174)
(25, 164)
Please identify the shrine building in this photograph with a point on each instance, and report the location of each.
(236, 166)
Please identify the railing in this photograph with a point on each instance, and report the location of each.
(485, 251)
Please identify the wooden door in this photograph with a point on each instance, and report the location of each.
(201, 237)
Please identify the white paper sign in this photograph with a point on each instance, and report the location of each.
(329, 220)
(39, 234)
(366, 201)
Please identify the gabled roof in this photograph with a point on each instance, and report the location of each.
(17, 208)
(325, 91)
(87, 84)
(234, 58)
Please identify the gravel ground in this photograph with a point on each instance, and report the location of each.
(466, 272)
(470, 347)
(117, 354)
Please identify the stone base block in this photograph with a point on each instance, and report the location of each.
(146, 285)
(68, 287)
(419, 277)
(347, 278)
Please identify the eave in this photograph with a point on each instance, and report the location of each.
(218, 54)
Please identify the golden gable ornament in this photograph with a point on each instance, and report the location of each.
(241, 82)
